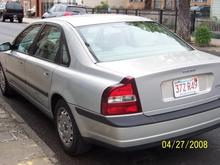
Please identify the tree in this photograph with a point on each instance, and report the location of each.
(183, 19)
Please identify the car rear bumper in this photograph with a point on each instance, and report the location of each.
(13, 15)
(139, 135)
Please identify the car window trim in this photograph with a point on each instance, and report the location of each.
(35, 40)
(64, 42)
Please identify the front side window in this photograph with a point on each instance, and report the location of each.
(128, 40)
(25, 39)
(48, 43)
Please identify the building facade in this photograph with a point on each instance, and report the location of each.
(126, 4)
(215, 9)
(163, 4)
(201, 2)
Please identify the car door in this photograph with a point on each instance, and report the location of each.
(15, 60)
(39, 67)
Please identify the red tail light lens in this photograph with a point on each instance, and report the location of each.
(121, 99)
(68, 13)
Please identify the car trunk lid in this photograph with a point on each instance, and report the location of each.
(156, 78)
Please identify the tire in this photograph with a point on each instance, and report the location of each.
(2, 18)
(11, 20)
(4, 86)
(20, 20)
(68, 132)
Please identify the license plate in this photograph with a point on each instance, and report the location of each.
(15, 16)
(185, 87)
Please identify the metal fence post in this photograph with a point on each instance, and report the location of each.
(136, 12)
(193, 21)
(175, 23)
(161, 16)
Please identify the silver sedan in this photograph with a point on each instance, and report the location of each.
(121, 81)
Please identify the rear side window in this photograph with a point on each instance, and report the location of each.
(76, 10)
(13, 5)
(48, 43)
(57, 8)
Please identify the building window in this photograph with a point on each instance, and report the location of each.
(157, 4)
(199, 0)
(136, 0)
(168, 4)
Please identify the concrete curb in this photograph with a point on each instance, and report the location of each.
(30, 20)
(30, 133)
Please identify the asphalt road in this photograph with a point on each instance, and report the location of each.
(9, 30)
(102, 156)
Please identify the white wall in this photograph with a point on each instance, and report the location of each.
(65, 1)
(112, 3)
(215, 8)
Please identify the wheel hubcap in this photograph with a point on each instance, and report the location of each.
(65, 127)
(2, 80)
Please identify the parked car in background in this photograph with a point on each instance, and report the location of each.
(64, 10)
(2, 6)
(11, 10)
(122, 81)
(201, 11)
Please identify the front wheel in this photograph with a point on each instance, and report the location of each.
(68, 131)
(4, 86)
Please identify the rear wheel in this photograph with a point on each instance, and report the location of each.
(11, 20)
(68, 131)
(4, 86)
(20, 20)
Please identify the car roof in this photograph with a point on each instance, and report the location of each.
(92, 19)
(69, 5)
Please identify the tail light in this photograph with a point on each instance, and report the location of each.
(121, 99)
(67, 13)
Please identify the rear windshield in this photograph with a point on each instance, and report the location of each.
(14, 5)
(127, 40)
(76, 10)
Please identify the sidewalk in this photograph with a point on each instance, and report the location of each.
(16, 146)
(30, 20)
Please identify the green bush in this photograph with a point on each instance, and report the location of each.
(102, 7)
(203, 35)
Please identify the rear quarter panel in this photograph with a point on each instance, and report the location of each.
(83, 82)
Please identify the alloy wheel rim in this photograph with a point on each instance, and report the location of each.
(65, 127)
(2, 80)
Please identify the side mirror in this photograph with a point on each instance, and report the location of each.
(5, 46)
